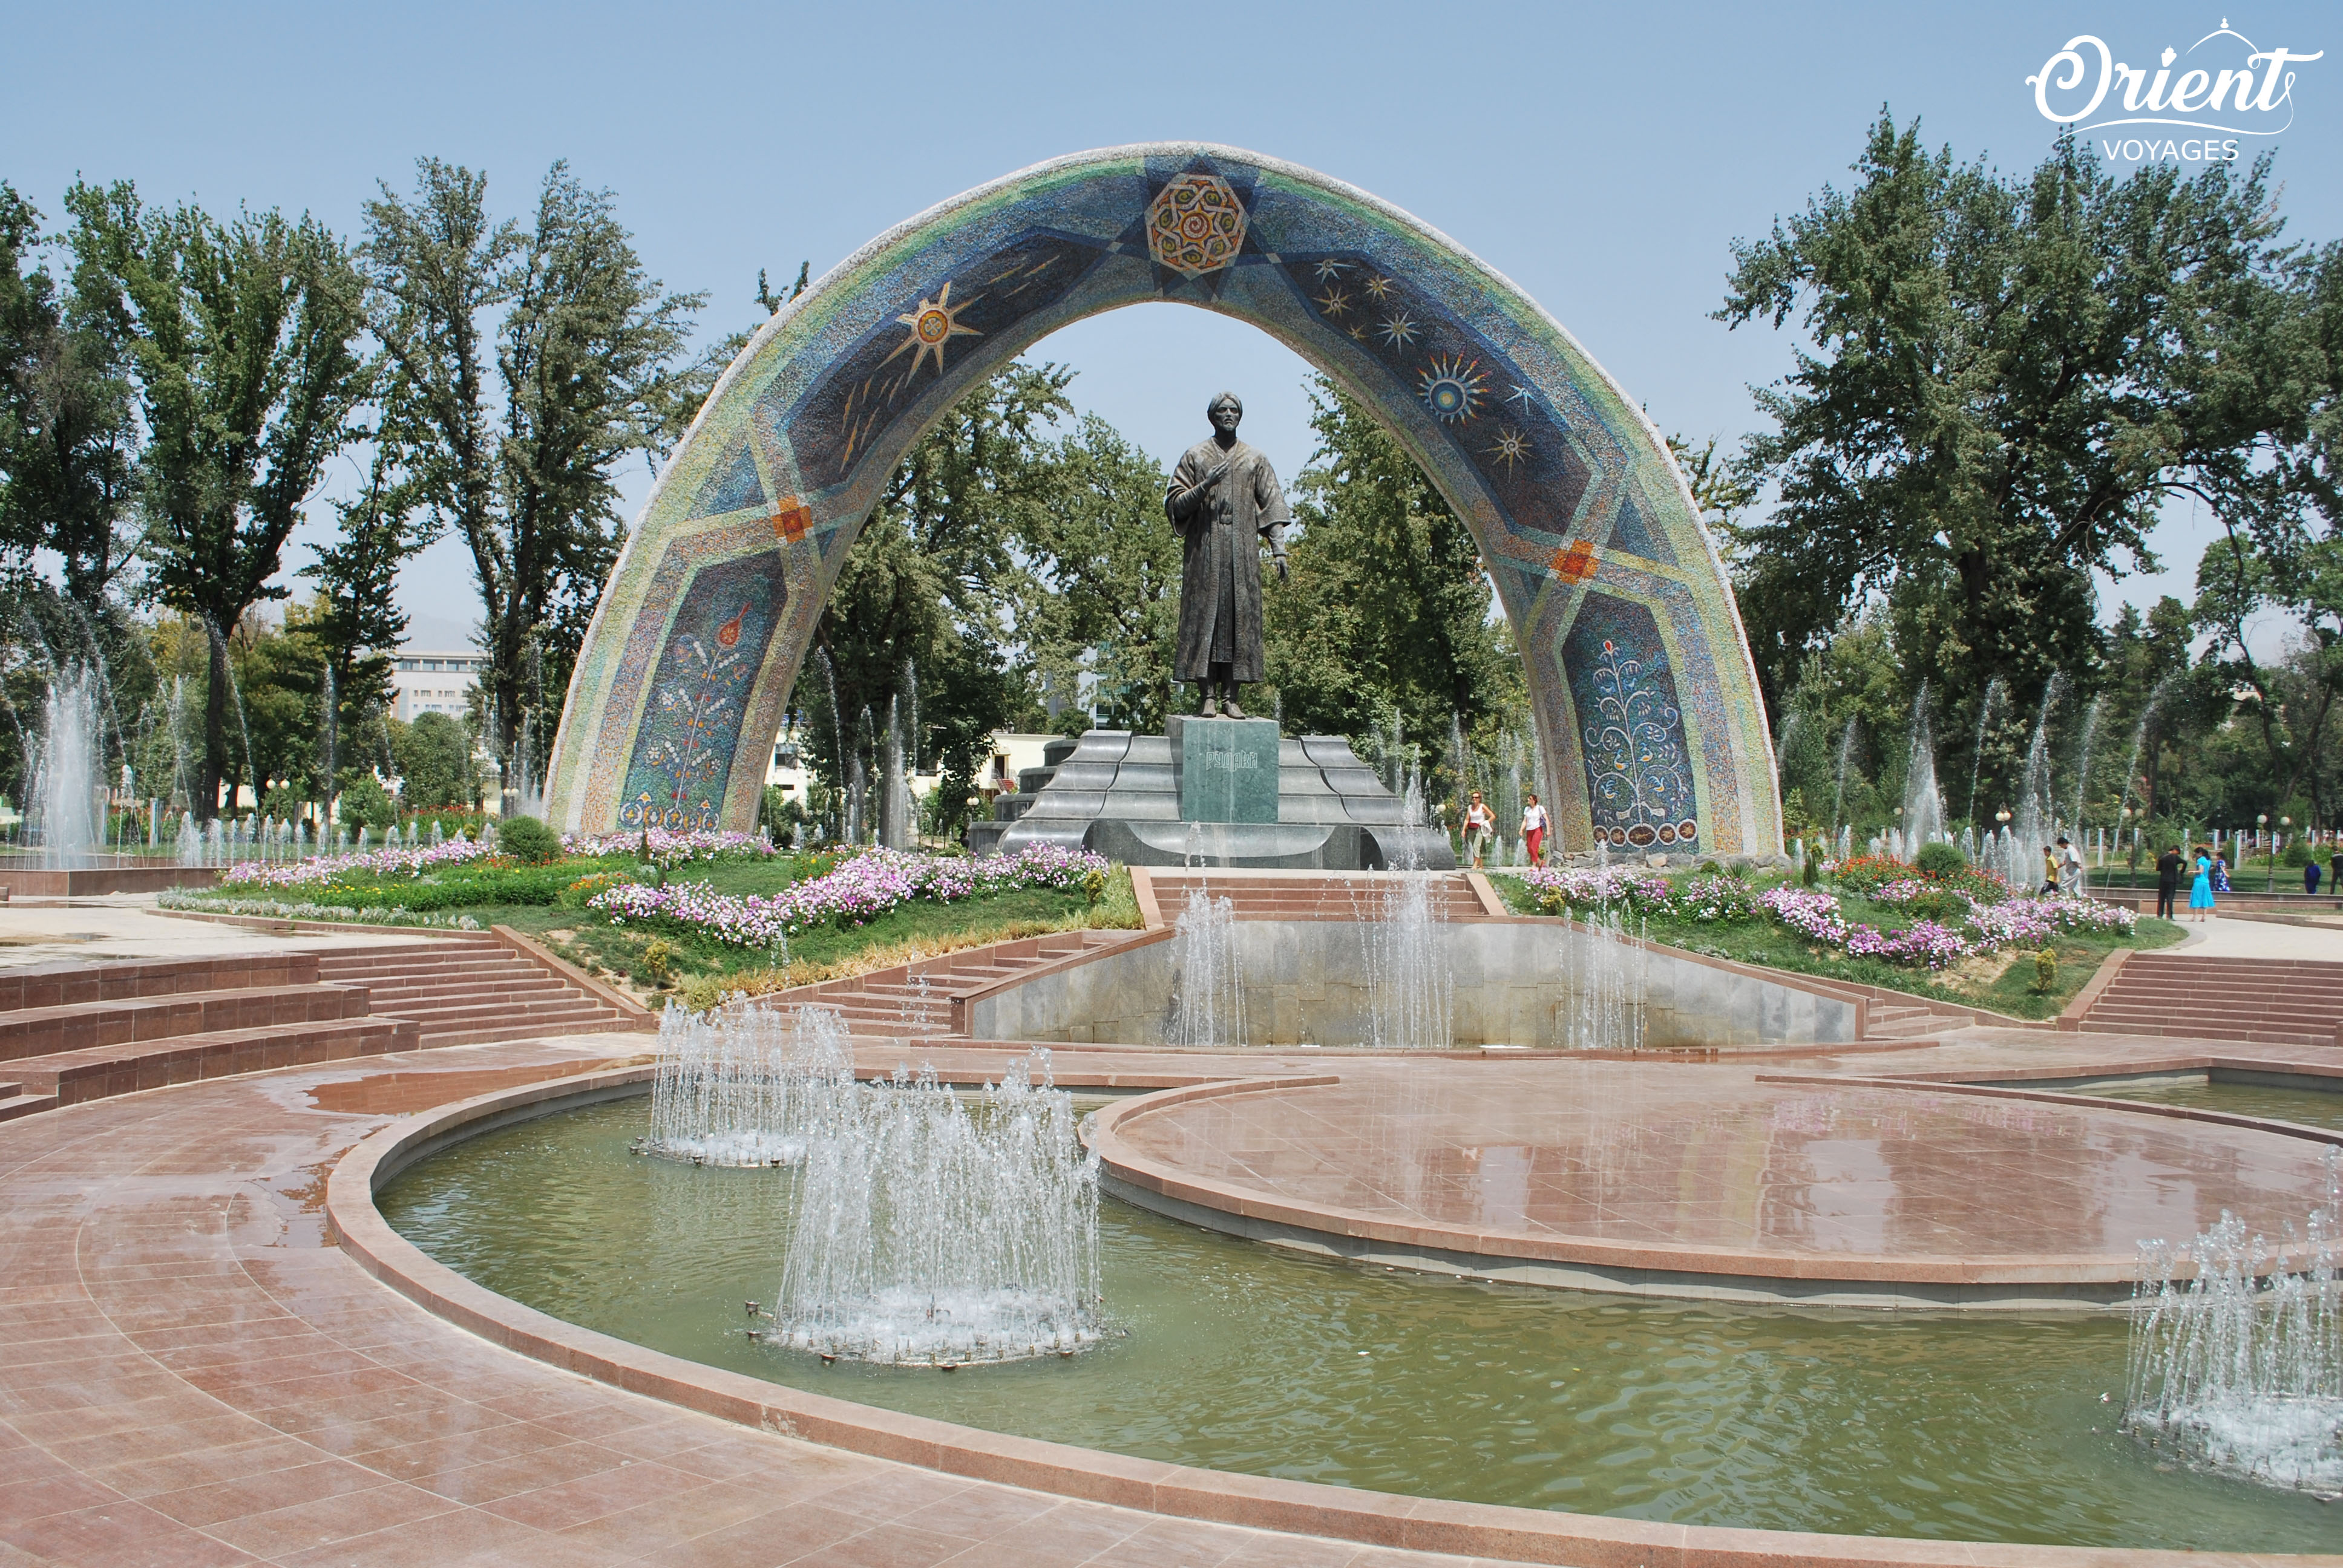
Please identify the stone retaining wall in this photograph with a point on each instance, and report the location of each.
(1305, 984)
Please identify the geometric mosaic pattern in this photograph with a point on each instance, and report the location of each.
(1645, 698)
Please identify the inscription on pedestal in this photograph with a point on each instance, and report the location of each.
(1228, 769)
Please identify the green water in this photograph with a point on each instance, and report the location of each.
(1242, 1357)
(2311, 1107)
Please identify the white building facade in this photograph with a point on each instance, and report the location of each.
(430, 682)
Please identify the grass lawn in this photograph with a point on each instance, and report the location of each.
(2003, 982)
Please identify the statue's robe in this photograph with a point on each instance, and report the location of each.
(1220, 530)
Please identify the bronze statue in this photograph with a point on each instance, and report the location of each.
(1223, 500)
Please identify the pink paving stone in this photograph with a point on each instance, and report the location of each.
(267, 1401)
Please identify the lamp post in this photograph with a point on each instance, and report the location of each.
(2261, 825)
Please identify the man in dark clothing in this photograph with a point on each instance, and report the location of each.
(2168, 881)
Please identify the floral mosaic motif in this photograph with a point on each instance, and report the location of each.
(1638, 774)
(1195, 225)
(683, 759)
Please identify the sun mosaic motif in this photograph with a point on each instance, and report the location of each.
(1196, 224)
(1451, 387)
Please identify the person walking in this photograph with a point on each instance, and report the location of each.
(1480, 823)
(2310, 878)
(2335, 871)
(2049, 889)
(2070, 868)
(1534, 823)
(2200, 891)
(2168, 881)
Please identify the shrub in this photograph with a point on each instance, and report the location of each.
(2046, 969)
(1810, 872)
(1940, 859)
(365, 803)
(1940, 904)
(528, 840)
(658, 960)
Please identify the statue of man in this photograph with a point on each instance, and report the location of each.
(1223, 500)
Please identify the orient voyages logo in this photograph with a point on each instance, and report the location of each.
(2194, 105)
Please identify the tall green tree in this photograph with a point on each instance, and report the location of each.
(1108, 567)
(244, 343)
(2008, 379)
(355, 619)
(528, 361)
(938, 587)
(1388, 611)
(68, 432)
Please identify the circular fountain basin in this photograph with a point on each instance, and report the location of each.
(1227, 1354)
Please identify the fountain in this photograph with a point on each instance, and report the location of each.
(1605, 976)
(2241, 1370)
(1207, 988)
(1838, 788)
(1924, 804)
(68, 770)
(1411, 994)
(745, 1085)
(931, 1230)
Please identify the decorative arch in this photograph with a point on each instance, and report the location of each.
(1645, 697)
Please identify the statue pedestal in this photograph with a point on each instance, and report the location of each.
(1224, 792)
(1227, 767)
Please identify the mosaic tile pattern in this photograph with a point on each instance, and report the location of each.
(1579, 513)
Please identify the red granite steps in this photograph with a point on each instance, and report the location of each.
(467, 990)
(1307, 897)
(915, 1001)
(2297, 1002)
(72, 1033)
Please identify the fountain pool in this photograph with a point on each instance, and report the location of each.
(1229, 1354)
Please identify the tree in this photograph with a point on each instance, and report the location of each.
(585, 346)
(1388, 611)
(434, 754)
(356, 620)
(68, 436)
(243, 338)
(1108, 565)
(2009, 377)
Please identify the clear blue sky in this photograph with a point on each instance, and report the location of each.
(1603, 157)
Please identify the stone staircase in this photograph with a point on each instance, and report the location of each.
(2293, 1001)
(926, 1000)
(1308, 896)
(469, 990)
(70, 1032)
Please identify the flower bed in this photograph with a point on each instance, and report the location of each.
(858, 891)
(670, 850)
(1955, 924)
(376, 864)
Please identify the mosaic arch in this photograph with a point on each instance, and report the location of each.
(1645, 698)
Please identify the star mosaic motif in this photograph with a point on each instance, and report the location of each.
(1378, 286)
(1519, 393)
(1333, 301)
(1511, 447)
(1359, 330)
(933, 323)
(1329, 270)
(1397, 330)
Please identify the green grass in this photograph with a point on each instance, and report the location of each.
(2010, 991)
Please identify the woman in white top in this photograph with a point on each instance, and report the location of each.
(1480, 822)
(1535, 824)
